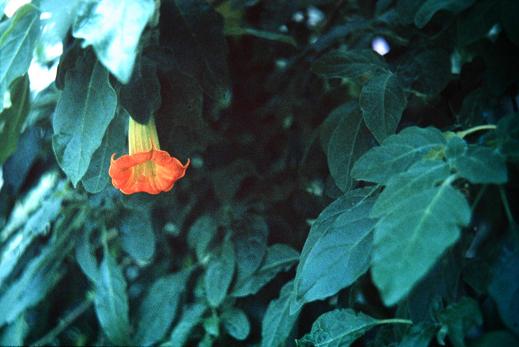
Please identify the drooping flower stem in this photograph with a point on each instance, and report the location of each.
(142, 137)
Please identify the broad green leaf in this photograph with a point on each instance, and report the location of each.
(419, 335)
(337, 250)
(83, 113)
(200, 235)
(456, 147)
(198, 45)
(277, 322)
(431, 7)
(137, 236)
(504, 287)
(141, 96)
(40, 274)
(250, 245)
(508, 136)
(219, 273)
(341, 327)
(191, 317)
(382, 101)
(113, 28)
(111, 301)
(236, 323)
(413, 235)
(85, 254)
(279, 257)
(458, 318)
(422, 175)
(508, 12)
(96, 178)
(13, 118)
(159, 307)
(481, 165)
(18, 37)
(397, 153)
(358, 65)
(348, 142)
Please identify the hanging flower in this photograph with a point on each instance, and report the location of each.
(146, 168)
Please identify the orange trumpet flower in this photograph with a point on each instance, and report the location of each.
(146, 168)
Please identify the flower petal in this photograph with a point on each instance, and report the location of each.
(150, 172)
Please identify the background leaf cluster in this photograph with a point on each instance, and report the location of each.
(336, 196)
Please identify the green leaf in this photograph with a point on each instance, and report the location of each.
(83, 113)
(459, 318)
(182, 128)
(212, 325)
(250, 245)
(85, 255)
(190, 318)
(113, 28)
(455, 148)
(236, 323)
(18, 38)
(96, 178)
(137, 236)
(13, 118)
(431, 7)
(411, 237)
(40, 274)
(277, 322)
(397, 153)
(481, 165)
(15, 333)
(219, 274)
(422, 175)
(200, 235)
(337, 250)
(141, 96)
(35, 226)
(227, 180)
(111, 301)
(382, 101)
(348, 142)
(198, 45)
(279, 257)
(427, 71)
(341, 327)
(504, 287)
(358, 65)
(159, 307)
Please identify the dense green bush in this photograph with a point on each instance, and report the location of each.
(334, 196)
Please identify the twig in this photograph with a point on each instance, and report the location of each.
(64, 323)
